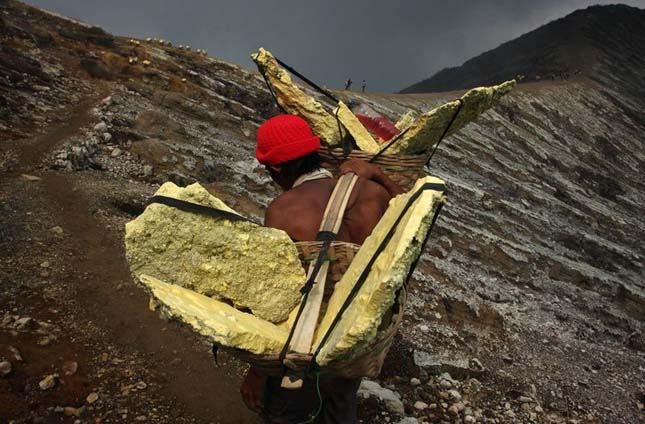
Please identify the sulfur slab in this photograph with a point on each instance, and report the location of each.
(223, 324)
(296, 101)
(360, 322)
(250, 266)
(427, 129)
(219, 322)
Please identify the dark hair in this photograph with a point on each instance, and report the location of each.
(294, 168)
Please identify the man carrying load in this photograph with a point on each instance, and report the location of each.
(288, 149)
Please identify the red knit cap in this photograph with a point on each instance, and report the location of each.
(284, 138)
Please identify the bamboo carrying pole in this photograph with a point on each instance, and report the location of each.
(306, 327)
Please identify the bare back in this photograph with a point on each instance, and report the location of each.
(299, 211)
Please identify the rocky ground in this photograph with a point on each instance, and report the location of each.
(527, 306)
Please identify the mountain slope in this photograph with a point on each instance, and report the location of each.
(595, 41)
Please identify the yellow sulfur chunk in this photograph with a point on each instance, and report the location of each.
(363, 139)
(427, 129)
(213, 319)
(406, 120)
(223, 324)
(246, 264)
(362, 319)
(296, 101)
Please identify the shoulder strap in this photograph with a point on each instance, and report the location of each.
(337, 203)
(303, 329)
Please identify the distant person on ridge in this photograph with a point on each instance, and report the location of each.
(363, 85)
(348, 83)
(288, 149)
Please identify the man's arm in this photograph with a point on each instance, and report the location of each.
(371, 172)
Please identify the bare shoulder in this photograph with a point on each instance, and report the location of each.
(277, 210)
(369, 191)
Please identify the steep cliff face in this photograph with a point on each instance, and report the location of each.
(535, 268)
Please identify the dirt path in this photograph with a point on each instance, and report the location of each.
(92, 257)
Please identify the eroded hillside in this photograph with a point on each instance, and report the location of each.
(530, 293)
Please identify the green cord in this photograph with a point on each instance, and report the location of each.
(320, 402)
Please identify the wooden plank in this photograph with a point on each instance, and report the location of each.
(304, 332)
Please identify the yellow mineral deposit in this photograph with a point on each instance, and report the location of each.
(195, 305)
(219, 322)
(427, 129)
(361, 320)
(249, 265)
(296, 101)
(406, 120)
(363, 139)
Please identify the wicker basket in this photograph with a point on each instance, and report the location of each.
(402, 169)
(369, 363)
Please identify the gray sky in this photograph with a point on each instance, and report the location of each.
(391, 44)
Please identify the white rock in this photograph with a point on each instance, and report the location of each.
(16, 353)
(116, 152)
(92, 397)
(48, 382)
(425, 360)
(5, 368)
(445, 384)
(57, 230)
(26, 323)
(420, 405)
(408, 420)
(469, 419)
(107, 137)
(101, 127)
(392, 400)
(455, 395)
(70, 367)
(415, 381)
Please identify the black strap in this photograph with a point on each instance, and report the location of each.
(361, 279)
(307, 80)
(445, 131)
(271, 91)
(425, 241)
(390, 143)
(345, 142)
(399, 135)
(197, 208)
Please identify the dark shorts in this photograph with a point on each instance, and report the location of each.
(283, 406)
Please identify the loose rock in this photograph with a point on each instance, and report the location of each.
(16, 353)
(419, 405)
(70, 367)
(70, 411)
(101, 127)
(30, 178)
(57, 231)
(48, 382)
(5, 368)
(392, 400)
